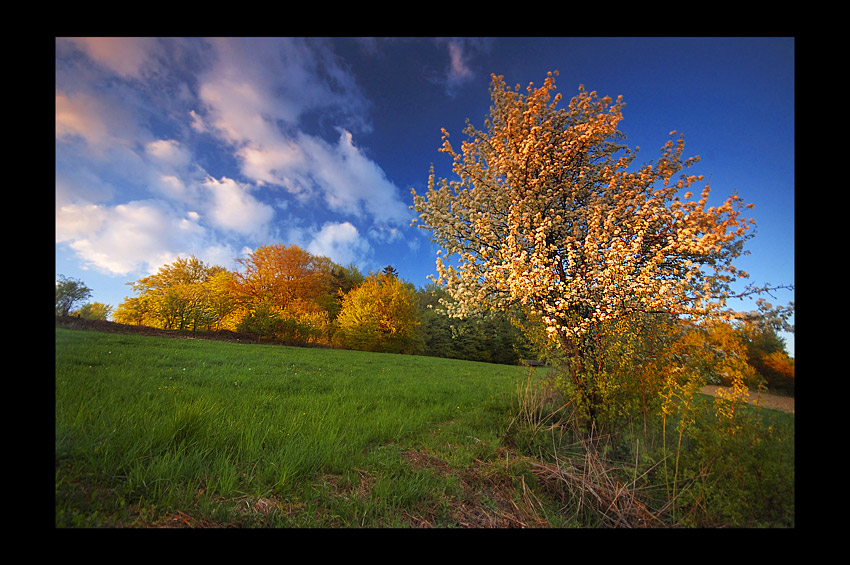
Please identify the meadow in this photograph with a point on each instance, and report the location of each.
(150, 428)
(163, 432)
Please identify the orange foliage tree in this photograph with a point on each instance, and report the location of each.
(281, 291)
(547, 211)
(766, 349)
(282, 275)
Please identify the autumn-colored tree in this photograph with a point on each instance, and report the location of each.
(777, 368)
(137, 311)
(380, 315)
(287, 292)
(547, 211)
(220, 298)
(94, 311)
(281, 275)
(342, 281)
(187, 294)
(766, 352)
(300, 322)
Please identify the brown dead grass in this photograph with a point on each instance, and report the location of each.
(487, 497)
(772, 401)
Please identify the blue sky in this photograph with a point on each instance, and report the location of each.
(170, 147)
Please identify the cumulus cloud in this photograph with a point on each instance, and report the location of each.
(170, 153)
(385, 234)
(233, 208)
(341, 242)
(257, 110)
(172, 187)
(170, 173)
(76, 221)
(145, 168)
(137, 236)
(283, 163)
(351, 182)
(255, 85)
(125, 56)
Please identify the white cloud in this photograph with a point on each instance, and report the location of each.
(125, 56)
(79, 117)
(385, 234)
(98, 120)
(77, 221)
(169, 171)
(222, 255)
(133, 192)
(170, 153)
(257, 110)
(257, 84)
(363, 178)
(238, 113)
(233, 208)
(93, 107)
(126, 238)
(198, 124)
(283, 163)
(341, 242)
(172, 187)
(351, 183)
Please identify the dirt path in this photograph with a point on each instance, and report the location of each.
(783, 403)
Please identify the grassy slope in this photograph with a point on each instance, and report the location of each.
(154, 431)
(158, 431)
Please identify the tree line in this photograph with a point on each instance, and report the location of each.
(286, 294)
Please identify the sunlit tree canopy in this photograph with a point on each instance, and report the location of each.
(548, 209)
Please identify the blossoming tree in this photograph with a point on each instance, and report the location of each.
(548, 211)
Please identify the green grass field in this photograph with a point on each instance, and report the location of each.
(151, 430)
(165, 432)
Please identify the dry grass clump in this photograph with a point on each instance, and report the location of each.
(593, 488)
(580, 476)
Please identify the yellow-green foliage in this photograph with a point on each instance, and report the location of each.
(94, 311)
(184, 295)
(282, 292)
(380, 315)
